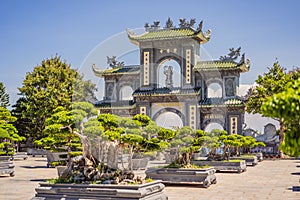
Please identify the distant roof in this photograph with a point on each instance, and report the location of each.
(221, 65)
(171, 33)
(132, 69)
(212, 102)
(115, 105)
(166, 91)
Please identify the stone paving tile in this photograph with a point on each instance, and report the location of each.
(270, 179)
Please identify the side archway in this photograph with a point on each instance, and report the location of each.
(125, 93)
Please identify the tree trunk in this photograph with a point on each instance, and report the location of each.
(281, 137)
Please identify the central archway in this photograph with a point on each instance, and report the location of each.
(213, 125)
(169, 118)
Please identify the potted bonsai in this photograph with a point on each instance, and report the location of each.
(96, 174)
(218, 139)
(186, 142)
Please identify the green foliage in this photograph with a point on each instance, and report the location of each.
(270, 83)
(276, 96)
(61, 125)
(143, 119)
(8, 133)
(109, 121)
(286, 105)
(51, 84)
(4, 97)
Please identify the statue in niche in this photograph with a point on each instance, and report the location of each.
(109, 91)
(168, 71)
(229, 87)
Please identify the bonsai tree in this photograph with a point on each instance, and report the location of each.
(142, 135)
(63, 129)
(212, 142)
(186, 142)
(8, 133)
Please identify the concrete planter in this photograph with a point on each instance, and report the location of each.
(20, 155)
(205, 176)
(259, 156)
(140, 163)
(6, 166)
(34, 152)
(223, 165)
(55, 157)
(250, 161)
(147, 191)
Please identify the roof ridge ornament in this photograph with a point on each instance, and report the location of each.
(169, 24)
(113, 63)
(184, 24)
(153, 27)
(232, 55)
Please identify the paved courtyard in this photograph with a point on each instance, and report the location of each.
(270, 179)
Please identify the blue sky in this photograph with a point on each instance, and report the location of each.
(33, 30)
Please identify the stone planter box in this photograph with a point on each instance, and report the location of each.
(6, 166)
(20, 155)
(147, 191)
(55, 157)
(139, 163)
(35, 152)
(250, 161)
(206, 176)
(259, 156)
(223, 165)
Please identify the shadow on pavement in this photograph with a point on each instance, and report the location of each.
(33, 167)
(38, 180)
(296, 173)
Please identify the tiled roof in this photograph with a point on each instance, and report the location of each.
(174, 33)
(119, 104)
(221, 65)
(133, 69)
(166, 91)
(211, 102)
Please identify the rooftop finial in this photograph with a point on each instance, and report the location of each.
(232, 55)
(112, 62)
(200, 25)
(169, 23)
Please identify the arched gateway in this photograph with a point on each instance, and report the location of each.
(152, 81)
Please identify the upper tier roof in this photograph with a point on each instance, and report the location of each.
(132, 69)
(222, 65)
(170, 33)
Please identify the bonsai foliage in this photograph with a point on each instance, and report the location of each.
(8, 133)
(231, 144)
(286, 105)
(63, 125)
(138, 134)
(186, 142)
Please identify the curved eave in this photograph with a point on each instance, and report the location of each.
(199, 36)
(119, 73)
(242, 67)
(112, 72)
(203, 39)
(97, 71)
